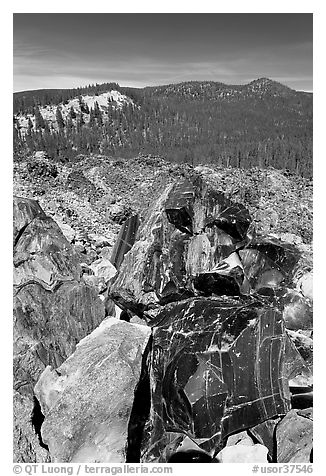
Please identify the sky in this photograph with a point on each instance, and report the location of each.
(69, 50)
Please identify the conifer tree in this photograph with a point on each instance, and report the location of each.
(98, 114)
(29, 126)
(59, 118)
(91, 118)
(80, 122)
(39, 121)
(72, 113)
(83, 106)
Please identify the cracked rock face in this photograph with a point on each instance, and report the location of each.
(26, 445)
(219, 300)
(53, 308)
(294, 438)
(42, 254)
(87, 401)
(216, 360)
(194, 241)
(220, 367)
(187, 232)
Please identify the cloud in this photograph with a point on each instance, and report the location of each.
(44, 64)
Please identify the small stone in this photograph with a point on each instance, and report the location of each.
(86, 269)
(97, 282)
(105, 252)
(305, 285)
(294, 438)
(67, 230)
(303, 343)
(297, 312)
(243, 454)
(103, 268)
(80, 248)
(241, 438)
(91, 256)
(99, 240)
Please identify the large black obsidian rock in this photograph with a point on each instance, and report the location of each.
(182, 238)
(125, 240)
(219, 299)
(218, 366)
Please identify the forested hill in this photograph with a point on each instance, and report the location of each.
(262, 123)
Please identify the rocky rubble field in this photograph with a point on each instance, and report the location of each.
(95, 194)
(162, 313)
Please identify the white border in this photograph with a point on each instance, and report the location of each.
(59, 6)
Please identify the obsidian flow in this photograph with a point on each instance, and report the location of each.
(220, 359)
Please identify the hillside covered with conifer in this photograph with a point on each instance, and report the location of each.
(263, 123)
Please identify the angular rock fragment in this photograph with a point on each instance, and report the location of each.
(284, 255)
(66, 229)
(301, 398)
(232, 218)
(306, 413)
(206, 250)
(156, 264)
(294, 438)
(241, 438)
(97, 282)
(103, 268)
(268, 264)
(180, 206)
(305, 285)
(88, 400)
(219, 366)
(193, 205)
(184, 236)
(53, 307)
(297, 311)
(243, 454)
(208, 284)
(99, 241)
(42, 254)
(47, 327)
(125, 240)
(260, 271)
(24, 212)
(227, 278)
(26, 444)
(304, 343)
(264, 433)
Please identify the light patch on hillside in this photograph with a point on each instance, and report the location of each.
(106, 101)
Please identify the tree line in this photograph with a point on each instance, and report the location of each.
(242, 133)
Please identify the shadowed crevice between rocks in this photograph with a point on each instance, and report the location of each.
(20, 233)
(140, 410)
(37, 422)
(301, 397)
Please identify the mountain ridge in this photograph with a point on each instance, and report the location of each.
(254, 81)
(261, 123)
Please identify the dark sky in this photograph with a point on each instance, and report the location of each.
(68, 50)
